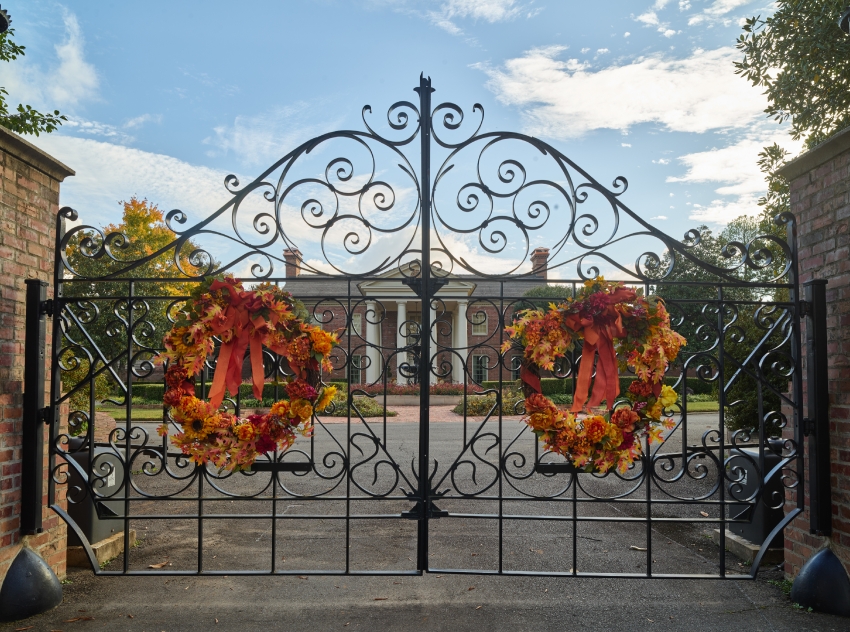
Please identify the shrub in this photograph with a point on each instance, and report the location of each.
(480, 405)
(366, 406)
(79, 399)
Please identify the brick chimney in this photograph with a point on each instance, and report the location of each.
(293, 260)
(539, 261)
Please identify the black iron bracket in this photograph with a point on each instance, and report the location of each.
(809, 427)
(805, 309)
(32, 439)
(417, 512)
(45, 308)
(434, 285)
(816, 423)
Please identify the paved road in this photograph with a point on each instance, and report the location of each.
(436, 601)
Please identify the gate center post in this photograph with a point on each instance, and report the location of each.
(424, 91)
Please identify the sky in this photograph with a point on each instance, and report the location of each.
(164, 99)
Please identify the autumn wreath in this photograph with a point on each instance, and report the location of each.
(243, 320)
(620, 329)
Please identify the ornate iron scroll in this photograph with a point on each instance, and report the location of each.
(346, 220)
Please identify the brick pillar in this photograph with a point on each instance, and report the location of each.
(820, 199)
(29, 201)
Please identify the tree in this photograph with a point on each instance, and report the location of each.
(799, 56)
(146, 232)
(25, 119)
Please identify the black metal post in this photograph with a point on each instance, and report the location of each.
(32, 467)
(817, 424)
(424, 91)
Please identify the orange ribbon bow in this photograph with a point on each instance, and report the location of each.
(248, 329)
(599, 332)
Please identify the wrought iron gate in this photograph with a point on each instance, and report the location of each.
(422, 272)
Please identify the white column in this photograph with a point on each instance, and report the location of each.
(460, 340)
(401, 339)
(434, 336)
(373, 337)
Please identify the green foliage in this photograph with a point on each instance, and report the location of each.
(778, 198)
(799, 57)
(23, 119)
(363, 407)
(481, 405)
(146, 234)
(782, 584)
(741, 341)
(80, 398)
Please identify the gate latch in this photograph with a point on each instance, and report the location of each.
(805, 309)
(809, 427)
(44, 415)
(45, 308)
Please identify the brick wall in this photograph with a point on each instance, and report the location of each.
(29, 200)
(820, 198)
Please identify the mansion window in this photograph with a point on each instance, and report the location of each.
(357, 324)
(479, 324)
(354, 370)
(479, 368)
(516, 364)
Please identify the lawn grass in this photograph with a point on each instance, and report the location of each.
(703, 407)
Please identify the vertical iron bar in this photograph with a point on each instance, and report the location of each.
(55, 345)
(351, 333)
(796, 354)
(722, 419)
(32, 452)
(820, 487)
(501, 363)
(128, 423)
(424, 91)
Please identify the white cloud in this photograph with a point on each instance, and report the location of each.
(668, 32)
(626, 144)
(626, 34)
(141, 120)
(260, 140)
(108, 173)
(585, 50)
(71, 81)
(715, 12)
(684, 5)
(602, 51)
(735, 166)
(488, 10)
(661, 161)
(95, 128)
(650, 18)
(660, 4)
(694, 94)
(658, 217)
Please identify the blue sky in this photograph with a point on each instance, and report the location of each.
(166, 98)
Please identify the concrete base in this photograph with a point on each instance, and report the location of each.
(746, 551)
(104, 550)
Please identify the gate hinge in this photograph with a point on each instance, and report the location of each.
(44, 415)
(805, 309)
(45, 308)
(809, 427)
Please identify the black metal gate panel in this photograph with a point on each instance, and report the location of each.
(419, 238)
